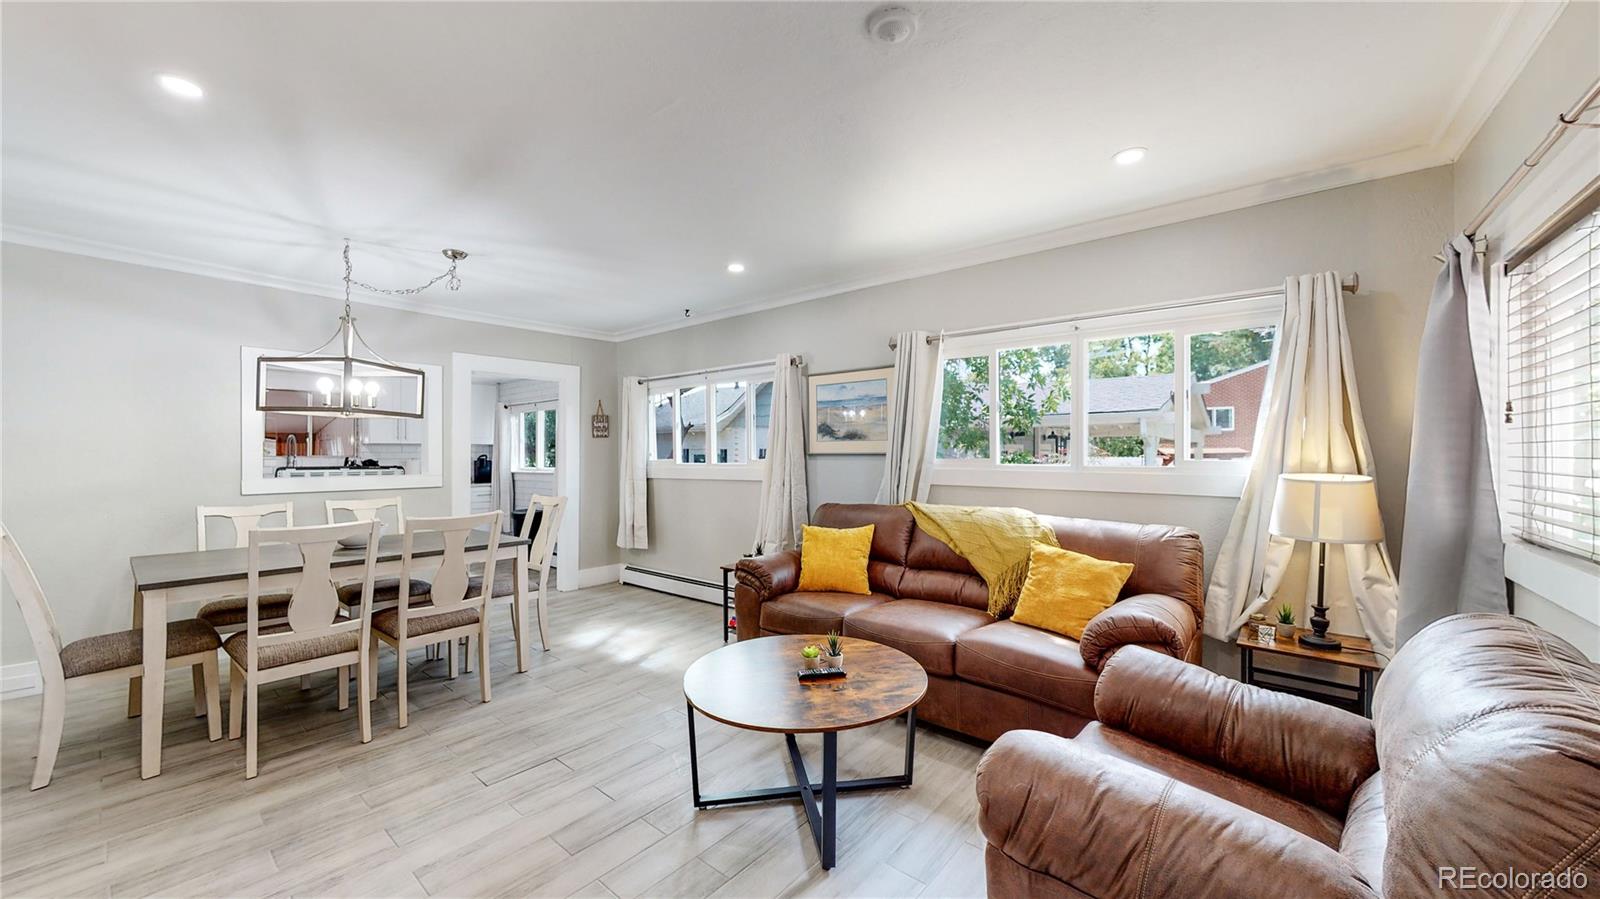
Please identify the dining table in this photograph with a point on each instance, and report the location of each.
(166, 581)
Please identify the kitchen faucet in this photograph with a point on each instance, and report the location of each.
(294, 446)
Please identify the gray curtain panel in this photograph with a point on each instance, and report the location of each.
(784, 508)
(1454, 555)
(905, 465)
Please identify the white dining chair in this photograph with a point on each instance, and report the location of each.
(314, 635)
(227, 614)
(540, 553)
(452, 610)
(385, 591)
(191, 643)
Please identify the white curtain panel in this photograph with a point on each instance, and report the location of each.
(1311, 422)
(505, 446)
(634, 428)
(1455, 558)
(907, 464)
(784, 508)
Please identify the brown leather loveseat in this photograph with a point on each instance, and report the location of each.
(1479, 776)
(985, 677)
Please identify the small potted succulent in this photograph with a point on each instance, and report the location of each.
(834, 651)
(1285, 620)
(811, 656)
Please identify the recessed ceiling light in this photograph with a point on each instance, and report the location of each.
(735, 268)
(1129, 156)
(180, 87)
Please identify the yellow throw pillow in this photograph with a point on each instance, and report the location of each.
(834, 560)
(1064, 589)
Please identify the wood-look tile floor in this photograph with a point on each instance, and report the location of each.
(573, 781)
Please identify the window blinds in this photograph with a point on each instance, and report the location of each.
(1553, 392)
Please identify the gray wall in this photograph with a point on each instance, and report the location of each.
(121, 396)
(1385, 230)
(1565, 64)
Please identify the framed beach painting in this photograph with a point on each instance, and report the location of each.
(850, 411)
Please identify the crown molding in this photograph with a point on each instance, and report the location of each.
(1515, 37)
(1388, 165)
(1517, 34)
(63, 243)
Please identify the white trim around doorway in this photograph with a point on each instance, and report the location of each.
(568, 469)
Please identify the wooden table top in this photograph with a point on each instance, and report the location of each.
(1355, 653)
(167, 570)
(752, 684)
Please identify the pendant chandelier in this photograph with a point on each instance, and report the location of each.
(346, 385)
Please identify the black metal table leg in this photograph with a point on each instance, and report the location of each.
(821, 815)
(1368, 679)
(830, 794)
(724, 605)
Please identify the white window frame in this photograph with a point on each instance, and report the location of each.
(1567, 581)
(1196, 477)
(539, 409)
(1211, 413)
(751, 469)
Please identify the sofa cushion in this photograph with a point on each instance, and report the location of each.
(1313, 822)
(925, 631)
(1167, 560)
(891, 535)
(813, 613)
(1028, 662)
(835, 559)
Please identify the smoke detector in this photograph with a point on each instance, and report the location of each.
(892, 25)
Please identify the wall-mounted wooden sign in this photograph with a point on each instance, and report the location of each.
(600, 424)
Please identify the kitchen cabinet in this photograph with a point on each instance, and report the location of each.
(392, 430)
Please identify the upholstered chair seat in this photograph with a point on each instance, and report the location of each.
(231, 612)
(384, 590)
(388, 621)
(505, 578)
(120, 649)
(279, 654)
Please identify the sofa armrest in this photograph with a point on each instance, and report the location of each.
(760, 579)
(1308, 750)
(1109, 828)
(1149, 618)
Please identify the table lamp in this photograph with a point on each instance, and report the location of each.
(1324, 509)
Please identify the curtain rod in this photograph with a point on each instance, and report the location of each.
(1564, 122)
(793, 360)
(1350, 286)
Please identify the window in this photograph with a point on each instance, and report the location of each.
(711, 425)
(1173, 392)
(964, 409)
(538, 436)
(1035, 411)
(1132, 398)
(1229, 372)
(1552, 358)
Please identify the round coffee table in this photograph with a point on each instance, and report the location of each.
(753, 685)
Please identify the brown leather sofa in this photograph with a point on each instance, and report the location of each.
(1484, 754)
(985, 677)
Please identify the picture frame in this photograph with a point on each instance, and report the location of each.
(850, 412)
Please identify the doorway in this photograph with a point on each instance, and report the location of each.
(539, 403)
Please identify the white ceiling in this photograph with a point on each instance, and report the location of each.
(604, 162)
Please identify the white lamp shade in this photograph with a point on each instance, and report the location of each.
(1327, 508)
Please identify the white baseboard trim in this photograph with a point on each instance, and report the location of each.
(21, 679)
(675, 584)
(599, 575)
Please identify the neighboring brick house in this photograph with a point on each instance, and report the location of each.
(1233, 404)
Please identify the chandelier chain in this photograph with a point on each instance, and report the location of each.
(453, 282)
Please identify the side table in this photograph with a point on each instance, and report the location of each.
(727, 601)
(1356, 653)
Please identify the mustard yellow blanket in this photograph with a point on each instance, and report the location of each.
(996, 541)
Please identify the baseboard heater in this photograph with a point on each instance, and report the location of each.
(674, 584)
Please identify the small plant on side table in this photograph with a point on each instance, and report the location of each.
(1285, 620)
(834, 651)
